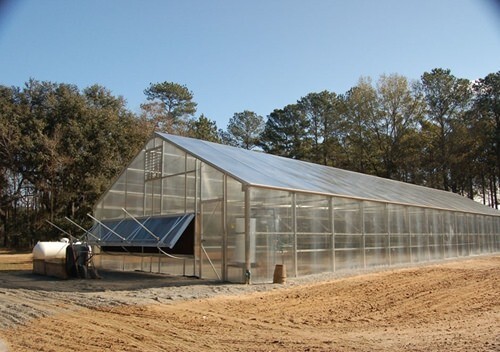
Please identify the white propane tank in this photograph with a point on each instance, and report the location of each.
(50, 250)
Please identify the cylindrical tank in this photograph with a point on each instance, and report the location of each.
(50, 250)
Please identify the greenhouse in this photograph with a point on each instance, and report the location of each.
(190, 207)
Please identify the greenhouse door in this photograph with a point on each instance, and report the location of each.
(211, 240)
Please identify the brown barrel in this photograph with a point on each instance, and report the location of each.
(279, 274)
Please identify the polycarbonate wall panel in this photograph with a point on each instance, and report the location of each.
(110, 206)
(211, 183)
(314, 239)
(489, 233)
(148, 198)
(375, 218)
(115, 199)
(174, 160)
(274, 231)
(480, 229)
(313, 214)
(134, 202)
(171, 191)
(461, 233)
(473, 239)
(491, 241)
(486, 235)
(348, 226)
(450, 235)
(497, 233)
(399, 234)
(191, 192)
(152, 205)
(235, 214)
(174, 194)
(435, 230)
(419, 245)
(212, 227)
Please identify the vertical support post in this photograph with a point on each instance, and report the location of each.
(144, 187)
(294, 224)
(162, 188)
(199, 223)
(409, 235)
(468, 233)
(456, 234)
(248, 264)
(144, 197)
(331, 215)
(185, 182)
(362, 208)
(389, 249)
(224, 228)
(126, 190)
(162, 180)
(443, 231)
(426, 214)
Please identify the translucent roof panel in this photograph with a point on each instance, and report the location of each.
(260, 169)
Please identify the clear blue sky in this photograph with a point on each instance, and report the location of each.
(243, 55)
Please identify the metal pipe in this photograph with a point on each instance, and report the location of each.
(107, 228)
(81, 228)
(141, 225)
(57, 227)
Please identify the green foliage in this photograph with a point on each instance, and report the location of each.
(171, 107)
(60, 149)
(323, 111)
(286, 133)
(244, 129)
(447, 99)
(205, 129)
(400, 109)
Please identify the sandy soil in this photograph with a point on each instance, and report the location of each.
(449, 306)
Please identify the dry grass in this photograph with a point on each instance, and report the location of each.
(11, 260)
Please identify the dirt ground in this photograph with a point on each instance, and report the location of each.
(447, 306)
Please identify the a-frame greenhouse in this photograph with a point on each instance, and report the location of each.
(186, 206)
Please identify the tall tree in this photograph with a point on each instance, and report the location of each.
(245, 128)
(447, 98)
(285, 133)
(360, 118)
(171, 108)
(400, 110)
(324, 115)
(486, 112)
(205, 129)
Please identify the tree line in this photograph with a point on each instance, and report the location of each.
(61, 147)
